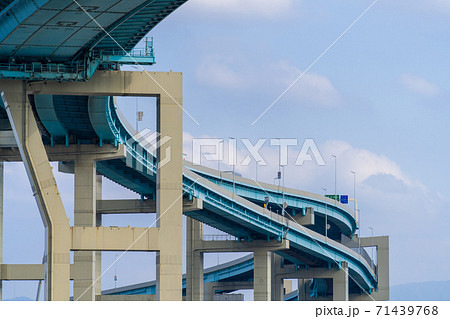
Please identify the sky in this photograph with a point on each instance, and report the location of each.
(375, 95)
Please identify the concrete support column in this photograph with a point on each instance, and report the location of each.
(194, 261)
(340, 283)
(262, 272)
(382, 244)
(33, 154)
(169, 194)
(302, 288)
(98, 223)
(1, 223)
(85, 200)
(277, 281)
(208, 291)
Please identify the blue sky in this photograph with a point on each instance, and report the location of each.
(378, 100)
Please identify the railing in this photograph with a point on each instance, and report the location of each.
(42, 68)
(360, 250)
(133, 53)
(219, 237)
(147, 51)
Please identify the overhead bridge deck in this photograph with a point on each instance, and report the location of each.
(54, 41)
(97, 120)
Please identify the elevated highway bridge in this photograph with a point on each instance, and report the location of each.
(59, 72)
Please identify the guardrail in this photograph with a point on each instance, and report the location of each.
(221, 237)
(346, 241)
(42, 67)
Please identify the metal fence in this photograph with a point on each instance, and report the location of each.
(42, 67)
(353, 245)
(219, 237)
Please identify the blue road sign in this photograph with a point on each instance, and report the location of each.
(344, 199)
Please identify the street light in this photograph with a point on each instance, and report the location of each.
(234, 181)
(372, 244)
(219, 158)
(335, 169)
(234, 164)
(355, 208)
(279, 164)
(359, 231)
(283, 211)
(354, 189)
(326, 214)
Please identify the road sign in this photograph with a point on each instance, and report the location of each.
(344, 199)
(335, 197)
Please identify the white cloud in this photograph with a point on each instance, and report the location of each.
(216, 71)
(389, 200)
(419, 85)
(311, 89)
(362, 161)
(423, 6)
(366, 163)
(441, 5)
(248, 8)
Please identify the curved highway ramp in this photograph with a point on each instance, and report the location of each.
(59, 72)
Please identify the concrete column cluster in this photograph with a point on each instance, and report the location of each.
(169, 195)
(87, 238)
(84, 237)
(262, 272)
(194, 260)
(40, 175)
(263, 259)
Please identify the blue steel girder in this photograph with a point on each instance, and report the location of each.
(236, 270)
(343, 219)
(64, 40)
(61, 29)
(226, 211)
(332, 252)
(127, 177)
(141, 20)
(234, 211)
(222, 204)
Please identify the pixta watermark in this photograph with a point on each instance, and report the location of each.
(213, 149)
(223, 150)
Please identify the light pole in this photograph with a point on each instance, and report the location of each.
(219, 158)
(359, 231)
(115, 273)
(234, 164)
(354, 190)
(326, 214)
(137, 118)
(234, 182)
(282, 212)
(335, 174)
(354, 203)
(279, 164)
(372, 245)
